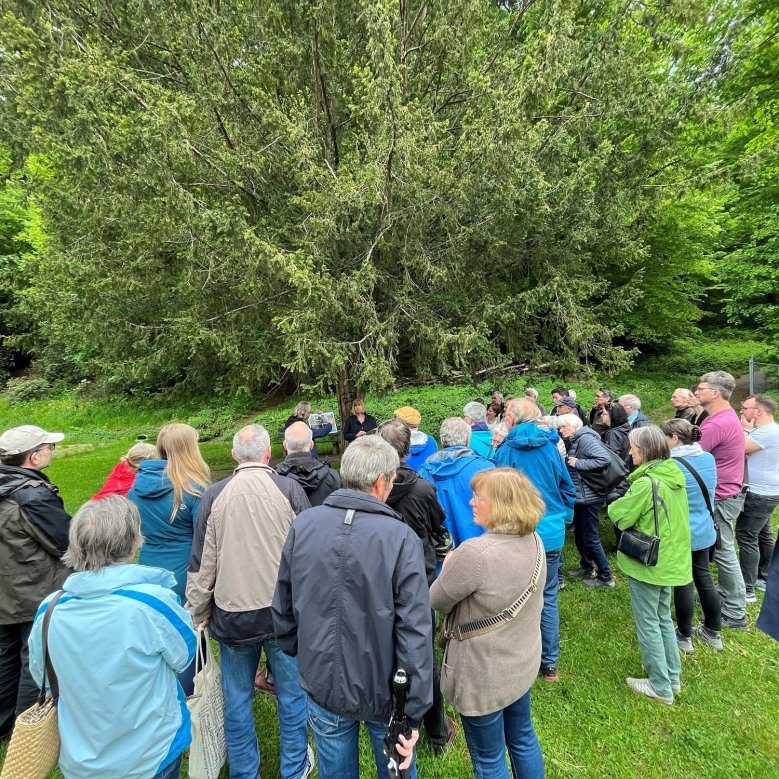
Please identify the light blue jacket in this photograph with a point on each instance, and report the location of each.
(117, 638)
(701, 524)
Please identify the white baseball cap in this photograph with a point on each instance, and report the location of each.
(25, 438)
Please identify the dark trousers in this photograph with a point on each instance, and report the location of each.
(18, 691)
(435, 727)
(684, 602)
(586, 534)
(753, 534)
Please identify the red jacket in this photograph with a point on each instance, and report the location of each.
(118, 482)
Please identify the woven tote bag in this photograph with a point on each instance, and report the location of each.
(208, 751)
(34, 748)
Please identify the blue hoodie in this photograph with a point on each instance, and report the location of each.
(451, 471)
(167, 539)
(702, 531)
(533, 451)
(117, 638)
(481, 441)
(422, 446)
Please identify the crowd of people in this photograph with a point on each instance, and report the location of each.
(339, 577)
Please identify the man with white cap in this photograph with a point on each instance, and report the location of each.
(33, 537)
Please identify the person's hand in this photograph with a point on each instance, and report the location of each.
(201, 625)
(362, 432)
(572, 461)
(406, 748)
(746, 424)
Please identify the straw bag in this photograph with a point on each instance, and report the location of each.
(35, 743)
(208, 751)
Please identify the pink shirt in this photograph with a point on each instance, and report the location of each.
(723, 436)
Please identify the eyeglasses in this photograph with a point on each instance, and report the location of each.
(749, 408)
(51, 447)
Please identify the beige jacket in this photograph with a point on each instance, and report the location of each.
(246, 531)
(480, 578)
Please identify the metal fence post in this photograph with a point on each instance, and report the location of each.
(752, 375)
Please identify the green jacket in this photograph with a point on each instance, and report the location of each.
(634, 509)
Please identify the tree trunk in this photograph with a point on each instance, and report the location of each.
(347, 392)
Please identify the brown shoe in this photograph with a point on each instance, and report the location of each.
(262, 684)
(451, 728)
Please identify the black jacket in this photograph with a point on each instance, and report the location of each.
(616, 438)
(353, 426)
(415, 499)
(641, 421)
(33, 536)
(318, 479)
(240, 627)
(352, 603)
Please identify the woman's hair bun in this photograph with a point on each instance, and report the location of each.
(695, 433)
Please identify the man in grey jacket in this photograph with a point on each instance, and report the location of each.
(352, 604)
(242, 525)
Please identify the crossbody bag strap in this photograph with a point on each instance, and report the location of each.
(655, 499)
(478, 627)
(48, 668)
(695, 475)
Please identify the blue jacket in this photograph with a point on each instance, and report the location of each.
(481, 441)
(117, 638)
(701, 523)
(166, 544)
(451, 471)
(585, 445)
(422, 446)
(533, 451)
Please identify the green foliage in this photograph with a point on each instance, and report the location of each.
(22, 390)
(342, 193)
(695, 356)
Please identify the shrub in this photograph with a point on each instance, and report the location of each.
(22, 390)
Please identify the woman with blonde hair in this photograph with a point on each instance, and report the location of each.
(122, 477)
(488, 588)
(167, 492)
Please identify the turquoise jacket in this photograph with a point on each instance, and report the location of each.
(167, 539)
(117, 639)
(634, 510)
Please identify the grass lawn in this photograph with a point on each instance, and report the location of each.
(725, 722)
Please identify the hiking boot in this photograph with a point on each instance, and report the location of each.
(684, 643)
(262, 684)
(549, 672)
(451, 728)
(760, 585)
(643, 687)
(710, 637)
(578, 573)
(751, 597)
(735, 624)
(593, 583)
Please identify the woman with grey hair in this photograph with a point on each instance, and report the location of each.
(117, 639)
(656, 505)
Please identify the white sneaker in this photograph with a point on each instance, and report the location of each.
(751, 596)
(311, 763)
(643, 687)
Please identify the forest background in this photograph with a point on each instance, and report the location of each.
(242, 197)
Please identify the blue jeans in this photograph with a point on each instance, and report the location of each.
(239, 665)
(172, 771)
(586, 534)
(550, 615)
(489, 735)
(336, 740)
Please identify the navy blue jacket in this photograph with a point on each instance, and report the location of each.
(352, 603)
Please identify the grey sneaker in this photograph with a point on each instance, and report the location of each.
(578, 573)
(760, 585)
(751, 597)
(735, 624)
(593, 583)
(710, 637)
(643, 687)
(311, 763)
(677, 688)
(684, 643)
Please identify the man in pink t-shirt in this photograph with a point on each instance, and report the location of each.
(723, 436)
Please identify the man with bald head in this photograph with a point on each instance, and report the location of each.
(318, 479)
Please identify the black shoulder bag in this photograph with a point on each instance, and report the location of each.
(638, 545)
(695, 475)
